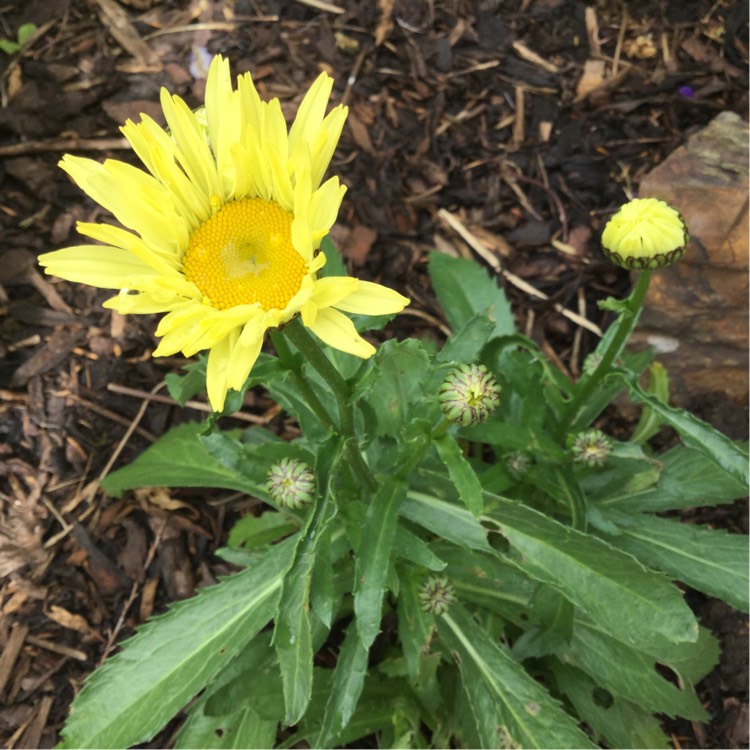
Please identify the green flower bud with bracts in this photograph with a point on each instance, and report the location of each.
(469, 394)
(291, 483)
(436, 595)
(517, 464)
(645, 233)
(591, 448)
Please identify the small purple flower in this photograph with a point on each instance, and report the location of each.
(686, 91)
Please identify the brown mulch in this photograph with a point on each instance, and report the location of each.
(519, 125)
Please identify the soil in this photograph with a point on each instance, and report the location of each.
(523, 122)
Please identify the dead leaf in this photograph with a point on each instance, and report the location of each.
(358, 244)
(69, 620)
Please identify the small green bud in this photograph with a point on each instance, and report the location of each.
(290, 483)
(469, 394)
(436, 595)
(517, 464)
(591, 448)
(646, 233)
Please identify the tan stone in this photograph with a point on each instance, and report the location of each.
(696, 311)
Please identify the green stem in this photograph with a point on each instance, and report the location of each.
(625, 325)
(292, 364)
(309, 347)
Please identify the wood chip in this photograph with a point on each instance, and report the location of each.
(455, 223)
(530, 56)
(12, 648)
(114, 17)
(49, 355)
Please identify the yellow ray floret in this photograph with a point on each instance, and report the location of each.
(222, 230)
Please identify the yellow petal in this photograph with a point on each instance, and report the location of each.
(137, 199)
(322, 151)
(194, 154)
(336, 330)
(329, 291)
(96, 265)
(143, 303)
(118, 237)
(158, 151)
(372, 299)
(217, 371)
(243, 356)
(311, 111)
(324, 207)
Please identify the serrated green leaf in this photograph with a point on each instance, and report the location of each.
(414, 625)
(711, 561)
(177, 459)
(489, 581)
(232, 688)
(628, 600)
(240, 729)
(445, 519)
(507, 704)
(650, 422)
(225, 715)
(725, 453)
(464, 289)
(630, 672)
(410, 547)
(618, 722)
(323, 596)
(688, 479)
(465, 345)
(293, 632)
(173, 656)
(348, 681)
(373, 557)
(461, 474)
(184, 386)
(252, 532)
(393, 384)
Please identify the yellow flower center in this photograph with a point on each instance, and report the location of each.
(244, 254)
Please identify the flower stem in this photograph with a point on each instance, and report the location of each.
(625, 325)
(288, 360)
(307, 345)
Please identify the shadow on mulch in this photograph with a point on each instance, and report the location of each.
(524, 123)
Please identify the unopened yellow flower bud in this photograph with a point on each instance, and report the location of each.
(645, 233)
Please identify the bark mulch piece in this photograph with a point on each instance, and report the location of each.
(503, 131)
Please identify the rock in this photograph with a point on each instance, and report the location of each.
(696, 311)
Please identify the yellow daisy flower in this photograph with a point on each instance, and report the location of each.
(223, 232)
(645, 233)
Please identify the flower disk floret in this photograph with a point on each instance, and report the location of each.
(221, 233)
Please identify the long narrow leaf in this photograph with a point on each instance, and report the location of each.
(462, 475)
(293, 632)
(695, 433)
(711, 561)
(508, 705)
(621, 723)
(615, 590)
(348, 681)
(373, 557)
(135, 693)
(445, 519)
